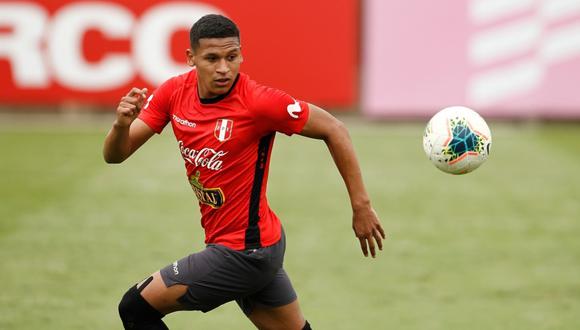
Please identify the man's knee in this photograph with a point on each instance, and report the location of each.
(136, 313)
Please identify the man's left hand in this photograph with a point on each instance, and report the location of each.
(368, 230)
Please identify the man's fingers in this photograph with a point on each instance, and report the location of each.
(382, 232)
(141, 101)
(130, 99)
(127, 113)
(125, 105)
(376, 235)
(127, 109)
(130, 105)
(141, 97)
(136, 96)
(363, 246)
(372, 247)
(136, 91)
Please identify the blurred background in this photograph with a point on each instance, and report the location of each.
(494, 249)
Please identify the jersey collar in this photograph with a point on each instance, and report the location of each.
(218, 98)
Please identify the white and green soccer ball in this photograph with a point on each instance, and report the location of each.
(457, 140)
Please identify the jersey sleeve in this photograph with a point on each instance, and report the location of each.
(155, 113)
(276, 111)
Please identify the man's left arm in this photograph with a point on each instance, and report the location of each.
(365, 222)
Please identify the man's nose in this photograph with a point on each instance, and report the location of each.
(222, 66)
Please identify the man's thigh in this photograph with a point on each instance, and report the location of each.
(275, 306)
(164, 299)
(277, 293)
(287, 317)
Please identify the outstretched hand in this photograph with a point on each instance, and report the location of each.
(368, 230)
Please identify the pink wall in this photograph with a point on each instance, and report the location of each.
(504, 58)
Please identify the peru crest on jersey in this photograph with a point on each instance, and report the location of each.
(223, 129)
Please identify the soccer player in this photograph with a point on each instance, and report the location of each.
(224, 124)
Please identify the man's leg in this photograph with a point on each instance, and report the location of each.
(163, 298)
(144, 304)
(275, 306)
(201, 281)
(287, 317)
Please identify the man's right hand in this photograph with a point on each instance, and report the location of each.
(130, 106)
(127, 134)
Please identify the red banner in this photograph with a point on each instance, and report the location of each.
(94, 51)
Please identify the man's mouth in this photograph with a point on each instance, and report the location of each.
(222, 82)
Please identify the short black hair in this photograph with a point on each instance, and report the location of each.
(212, 26)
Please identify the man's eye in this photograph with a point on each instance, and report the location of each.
(211, 58)
(232, 57)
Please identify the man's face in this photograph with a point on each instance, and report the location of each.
(218, 62)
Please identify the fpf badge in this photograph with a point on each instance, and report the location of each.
(213, 197)
(223, 129)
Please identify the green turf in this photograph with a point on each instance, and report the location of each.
(495, 249)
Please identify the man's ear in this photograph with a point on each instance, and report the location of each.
(190, 57)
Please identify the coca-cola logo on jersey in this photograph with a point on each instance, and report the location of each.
(205, 157)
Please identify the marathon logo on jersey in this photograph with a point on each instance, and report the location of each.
(223, 129)
(213, 197)
(183, 122)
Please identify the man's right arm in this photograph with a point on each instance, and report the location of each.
(128, 132)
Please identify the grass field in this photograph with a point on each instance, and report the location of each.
(495, 249)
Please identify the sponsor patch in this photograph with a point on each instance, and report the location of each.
(213, 197)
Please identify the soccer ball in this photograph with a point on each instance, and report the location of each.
(457, 140)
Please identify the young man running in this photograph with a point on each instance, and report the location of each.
(224, 124)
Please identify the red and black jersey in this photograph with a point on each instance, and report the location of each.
(226, 144)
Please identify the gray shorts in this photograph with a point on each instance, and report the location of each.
(219, 274)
